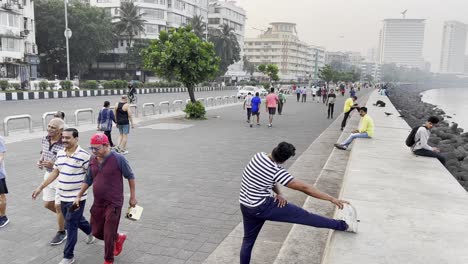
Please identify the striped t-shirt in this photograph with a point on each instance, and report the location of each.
(72, 173)
(258, 179)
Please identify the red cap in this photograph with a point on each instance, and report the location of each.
(99, 139)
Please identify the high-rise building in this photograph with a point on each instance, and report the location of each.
(280, 45)
(228, 13)
(452, 57)
(401, 42)
(18, 49)
(373, 69)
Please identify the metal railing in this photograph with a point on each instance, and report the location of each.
(219, 100)
(16, 117)
(148, 104)
(226, 98)
(234, 98)
(208, 100)
(44, 119)
(165, 103)
(187, 101)
(178, 102)
(136, 109)
(84, 110)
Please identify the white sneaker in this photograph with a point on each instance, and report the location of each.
(90, 239)
(67, 261)
(124, 152)
(349, 215)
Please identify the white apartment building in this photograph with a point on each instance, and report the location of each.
(280, 45)
(18, 50)
(401, 42)
(227, 12)
(452, 58)
(371, 68)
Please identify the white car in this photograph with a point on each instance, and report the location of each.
(244, 91)
(262, 91)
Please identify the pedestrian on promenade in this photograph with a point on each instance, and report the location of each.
(248, 106)
(366, 129)
(298, 93)
(106, 118)
(271, 103)
(256, 101)
(349, 105)
(70, 169)
(319, 94)
(421, 147)
(342, 89)
(324, 95)
(331, 103)
(3, 186)
(281, 102)
(313, 92)
(304, 95)
(124, 119)
(260, 181)
(352, 92)
(60, 115)
(106, 172)
(51, 145)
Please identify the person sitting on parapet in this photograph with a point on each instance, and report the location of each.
(421, 147)
(366, 129)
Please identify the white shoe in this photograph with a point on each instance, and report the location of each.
(90, 239)
(67, 261)
(349, 215)
(124, 152)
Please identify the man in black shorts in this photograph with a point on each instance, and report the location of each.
(3, 187)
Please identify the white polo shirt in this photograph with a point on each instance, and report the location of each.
(73, 171)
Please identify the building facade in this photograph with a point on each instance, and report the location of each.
(401, 42)
(18, 49)
(280, 45)
(228, 13)
(453, 47)
(370, 68)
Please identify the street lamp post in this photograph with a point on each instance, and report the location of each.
(67, 36)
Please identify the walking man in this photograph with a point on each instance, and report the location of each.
(106, 172)
(271, 103)
(70, 169)
(248, 105)
(331, 103)
(106, 118)
(421, 147)
(256, 101)
(51, 145)
(298, 93)
(281, 102)
(261, 198)
(3, 186)
(366, 129)
(124, 119)
(349, 105)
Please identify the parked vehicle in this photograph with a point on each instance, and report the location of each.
(242, 93)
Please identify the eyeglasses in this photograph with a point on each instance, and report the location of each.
(94, 149)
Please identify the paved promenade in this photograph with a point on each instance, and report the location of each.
(411, 208)
(188, 178)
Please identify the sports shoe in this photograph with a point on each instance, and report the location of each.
(59, 238)
(119, 244)
(4, 221)
(90, 239)
(269, 125)
(250, 125)
(349, 215)
(67, 261)
(258, 124)
(108, 262)
(339, 146)
(124, 152)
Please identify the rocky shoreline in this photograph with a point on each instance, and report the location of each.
(448, 137)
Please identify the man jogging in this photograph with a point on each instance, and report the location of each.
(3, 186)
(366, 129)
(271, 103)
(421, 147)
(248, 105)
(106, 172)
(261, 199)
(349, 105)
(256, 101)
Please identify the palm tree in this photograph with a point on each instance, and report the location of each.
(226, 47)
(130, 23)
(198, 26)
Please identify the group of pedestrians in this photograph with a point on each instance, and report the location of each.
(273, 102)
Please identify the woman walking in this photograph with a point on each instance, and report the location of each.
(105, 119)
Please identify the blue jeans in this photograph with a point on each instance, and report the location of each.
(255, 217)
(73, 221)
(353, 136)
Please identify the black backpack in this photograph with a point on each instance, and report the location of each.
(410, 139)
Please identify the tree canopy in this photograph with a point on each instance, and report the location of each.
(226, 46)
(198, 26)
(271, 70)
(130, 22)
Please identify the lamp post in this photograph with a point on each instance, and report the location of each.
(206, 24)
(68, 34)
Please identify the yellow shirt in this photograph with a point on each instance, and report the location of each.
(367, 125)
(348, 104)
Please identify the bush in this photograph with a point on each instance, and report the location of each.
(43, 85)
(195, 110)
(66, 85)
(51, 85)
(91, 84)
(108, 84)
(16, 86)
(119, 84)
(3, 84)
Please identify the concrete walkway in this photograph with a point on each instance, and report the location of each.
(411, 209)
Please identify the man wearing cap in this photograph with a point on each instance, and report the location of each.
(106, 171)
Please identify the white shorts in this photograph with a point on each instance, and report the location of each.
(50, 193)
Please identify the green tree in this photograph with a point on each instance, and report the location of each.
(248, 66)
(181, 55)
(92, 33)
(271, 70)
(327, 73)
(130, 22)
(226, 47)
(198, 26)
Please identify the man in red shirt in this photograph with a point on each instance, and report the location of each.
(106, 171)
(271, 103)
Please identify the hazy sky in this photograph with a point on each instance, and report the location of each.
(322, 22)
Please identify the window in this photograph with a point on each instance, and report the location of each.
(154, 13)
(121, 43)
(116, 11)
(152, 29)
(213, 21)
(10, 44)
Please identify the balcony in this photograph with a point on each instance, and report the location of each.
(24, 33)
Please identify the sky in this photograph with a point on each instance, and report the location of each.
(354, 25)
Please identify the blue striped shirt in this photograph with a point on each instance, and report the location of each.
(72, 172)
(258, 179)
